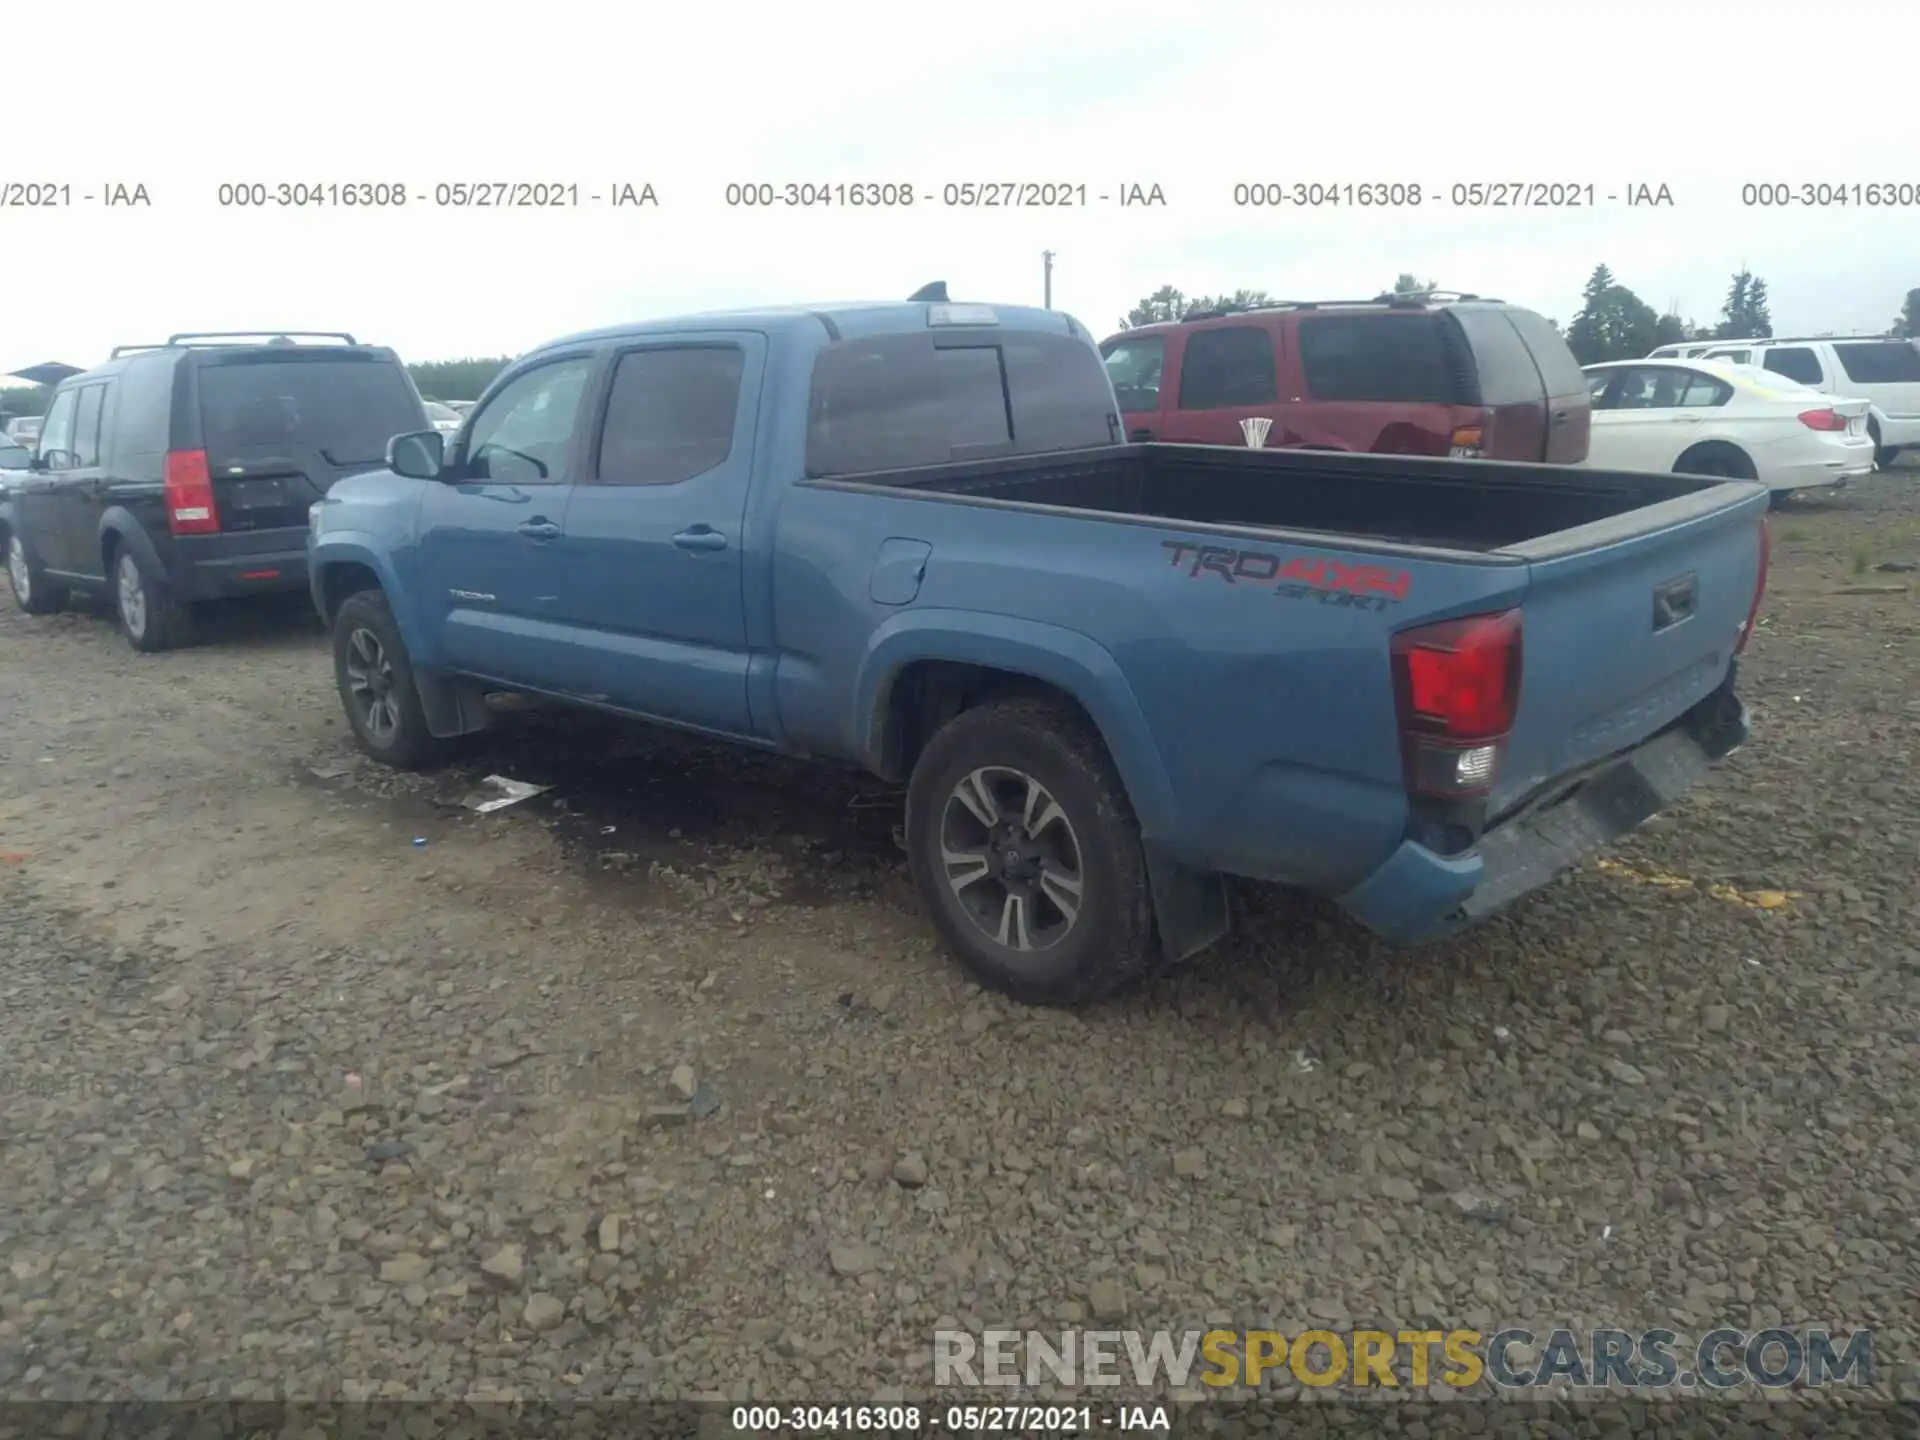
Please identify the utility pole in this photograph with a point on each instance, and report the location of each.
(1046, 261)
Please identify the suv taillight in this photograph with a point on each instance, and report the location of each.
(1822, 420)
(1465, 442)
(1759, 586)
(189, 497)
(1456, 685)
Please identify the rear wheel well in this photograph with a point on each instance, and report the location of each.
(928, 693)
(338, 581)
(1716, 453)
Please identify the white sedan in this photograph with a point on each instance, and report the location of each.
(1706, 417)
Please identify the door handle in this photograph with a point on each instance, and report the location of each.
(540, 530)
(701, 537)
(1140, 436)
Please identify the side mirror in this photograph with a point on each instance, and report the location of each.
(55, 459)
(418, 455)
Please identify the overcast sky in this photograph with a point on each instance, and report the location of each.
(1193, 98)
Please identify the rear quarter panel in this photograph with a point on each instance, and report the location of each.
(1253, 722)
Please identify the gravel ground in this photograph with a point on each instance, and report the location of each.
(657, 1084)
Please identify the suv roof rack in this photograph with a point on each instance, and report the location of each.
(272, 337)
(1801, 339)
(189, 338)
(1413, 301)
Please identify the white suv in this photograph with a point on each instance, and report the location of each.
(1885, 373)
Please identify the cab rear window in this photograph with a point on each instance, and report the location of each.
(890, 402)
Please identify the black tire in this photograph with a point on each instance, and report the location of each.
(1886, 455)
(394, 733)
(1779, 499)
(27, 577)
(1109, 940)
(1715, 458)
(149, 615)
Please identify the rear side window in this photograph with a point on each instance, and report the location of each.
(1508, 375)
(1732, 357)
(1884, 362)
(1558, 368)
(346, 410)
(86, 427)
(143, 412)
(1375, 357)
(671, 414)
(1227, 368)
(894, 401)
(1796, 362)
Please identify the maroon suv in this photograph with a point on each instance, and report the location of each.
(1400, 375)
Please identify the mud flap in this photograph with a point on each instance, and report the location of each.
(1189, 907)
(452, 707)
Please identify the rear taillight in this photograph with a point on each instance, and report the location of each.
(190, 507)
(1759, 587)
(1465, 443)
(1823, 420)
(1456, 685)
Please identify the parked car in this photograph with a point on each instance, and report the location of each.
(908, 537)
(1706, 417)
(24, 429)
(443, 418)
(1683, 351)
(14, 458)
(1883, 372)
(182, 472)
(1464, 377)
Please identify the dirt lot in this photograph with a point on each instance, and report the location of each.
(296, 1104)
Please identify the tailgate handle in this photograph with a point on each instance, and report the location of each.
(1675, 601)
(1560, 417)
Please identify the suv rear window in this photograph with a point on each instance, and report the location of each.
(1884, 362)
(346, 409)
(1505, 367)
(890, 402)
(1375, 357)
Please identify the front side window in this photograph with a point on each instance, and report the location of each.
(1135, 366)
(56, 434)
(524, 436)
(1796, 362)
(671, 414)
(1228, 368)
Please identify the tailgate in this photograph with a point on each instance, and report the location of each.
(1626, 624)
(262, 490)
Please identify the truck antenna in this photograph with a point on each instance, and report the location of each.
(936, 294)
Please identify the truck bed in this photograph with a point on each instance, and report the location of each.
(1402, 500)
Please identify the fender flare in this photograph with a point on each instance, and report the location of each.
(1060, 657)
(452, 706)
(1190, 906)
(125, 528)
(353, 548)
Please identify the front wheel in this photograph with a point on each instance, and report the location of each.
(375, 678)
(32, 591)
(1027, 855)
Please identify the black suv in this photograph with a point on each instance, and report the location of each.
(182, 472)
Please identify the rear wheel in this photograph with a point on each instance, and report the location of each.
(32, 591)
(374, 675)
(1883, 455)
(1027, 855)
(1716, 458)
(150, 616)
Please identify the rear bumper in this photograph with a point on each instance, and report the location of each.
(258, 562)
(1840, 470)
(1418, 895)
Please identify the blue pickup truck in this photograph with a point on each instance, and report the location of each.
(910, 537)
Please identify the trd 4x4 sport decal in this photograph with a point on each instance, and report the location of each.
(1303, 577)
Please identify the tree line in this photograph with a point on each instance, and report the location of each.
(1612, 323)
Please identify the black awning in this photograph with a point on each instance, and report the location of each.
(51, 372)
